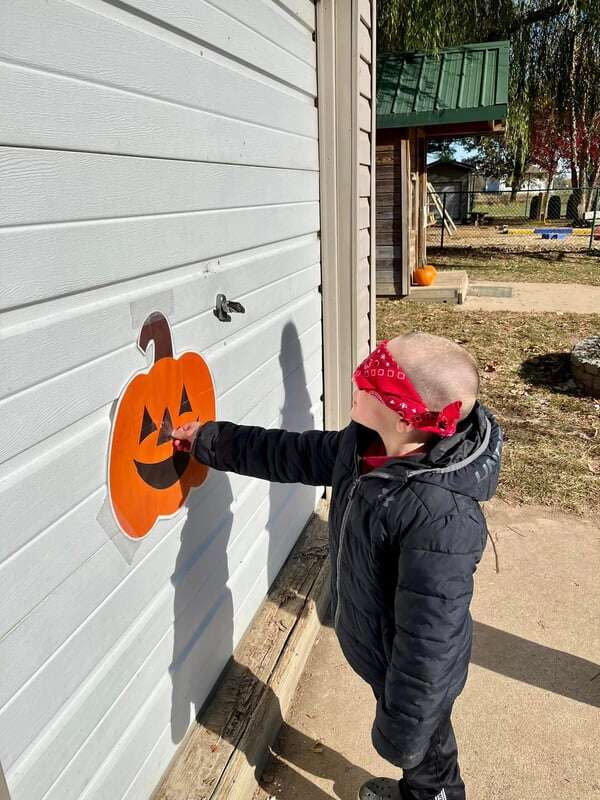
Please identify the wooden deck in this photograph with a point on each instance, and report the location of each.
(450, 286)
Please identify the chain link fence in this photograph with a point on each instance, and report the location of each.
(595, 227)
(530, 221)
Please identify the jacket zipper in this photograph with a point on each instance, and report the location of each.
(340, 547)
(353, 488)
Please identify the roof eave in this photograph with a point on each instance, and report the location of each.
(442, 117)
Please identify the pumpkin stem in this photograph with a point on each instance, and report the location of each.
(156, 329)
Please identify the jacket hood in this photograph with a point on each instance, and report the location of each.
(467, 463)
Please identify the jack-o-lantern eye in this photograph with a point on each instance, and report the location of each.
(164, 434)
(148, 426)
(185, 404)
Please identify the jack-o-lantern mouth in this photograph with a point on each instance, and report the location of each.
(163, 474)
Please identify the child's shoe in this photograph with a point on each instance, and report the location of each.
(380, 789)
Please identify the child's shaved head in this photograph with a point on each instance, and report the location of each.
(440, 370)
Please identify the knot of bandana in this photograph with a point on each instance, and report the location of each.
(381, 376)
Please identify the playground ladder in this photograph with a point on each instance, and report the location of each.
(450, 226)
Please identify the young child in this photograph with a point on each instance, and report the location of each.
(406, 534)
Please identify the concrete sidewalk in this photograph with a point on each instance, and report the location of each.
(528, 723)
(568, 298)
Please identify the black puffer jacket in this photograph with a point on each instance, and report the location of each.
(405, 541)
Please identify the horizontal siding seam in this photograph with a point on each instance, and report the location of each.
(111, 283)
(73, 311)
(68, 76)
(257, 326)
(164, 25)
(126, 217)
(306, 356)
(286, 9)
(113, 154)
(260, 33)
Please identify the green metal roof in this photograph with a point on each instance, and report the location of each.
(458, 84)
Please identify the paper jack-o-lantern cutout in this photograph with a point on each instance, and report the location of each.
(147, 478)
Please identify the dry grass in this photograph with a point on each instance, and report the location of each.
(561, 267)
(552, 450)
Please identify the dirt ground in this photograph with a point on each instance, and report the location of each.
(484, 236)
(552, 444)
(527, 723)
(489, 264)
(573, 298)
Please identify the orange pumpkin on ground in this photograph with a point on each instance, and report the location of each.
(147, 478)
(425, 275)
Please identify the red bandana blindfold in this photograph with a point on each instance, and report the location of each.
(380, 375)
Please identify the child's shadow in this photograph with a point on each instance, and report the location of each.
(218, 540)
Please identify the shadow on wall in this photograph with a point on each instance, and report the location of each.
(204, 627)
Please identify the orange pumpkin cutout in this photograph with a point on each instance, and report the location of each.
(147, 478)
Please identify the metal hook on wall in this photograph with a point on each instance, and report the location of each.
(223, 307)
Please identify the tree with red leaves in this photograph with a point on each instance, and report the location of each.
(551, 143)
(548, 146)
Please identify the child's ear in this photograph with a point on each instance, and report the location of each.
(402, 426)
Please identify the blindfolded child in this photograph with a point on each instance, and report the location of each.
(406, 534)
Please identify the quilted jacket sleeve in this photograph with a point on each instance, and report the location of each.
(431, 644)
(269, 453)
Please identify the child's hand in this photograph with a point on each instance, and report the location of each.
(183, 437)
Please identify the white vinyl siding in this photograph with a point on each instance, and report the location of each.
(152, 155)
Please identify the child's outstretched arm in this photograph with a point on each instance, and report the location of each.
(431, 644)
(269, 453)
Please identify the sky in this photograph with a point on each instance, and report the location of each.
(461, 154)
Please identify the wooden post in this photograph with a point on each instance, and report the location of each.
(393, 201)
(594, 221)
(421, 188)
(402, 281)
(443, 220)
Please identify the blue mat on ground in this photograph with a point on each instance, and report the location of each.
(553, 233)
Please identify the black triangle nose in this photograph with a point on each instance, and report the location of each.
(166, 428)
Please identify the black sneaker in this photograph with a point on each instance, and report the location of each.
(380, 789)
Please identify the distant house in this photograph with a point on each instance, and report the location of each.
(535, 179)
(453, 181)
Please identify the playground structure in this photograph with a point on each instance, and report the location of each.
(499, 221)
